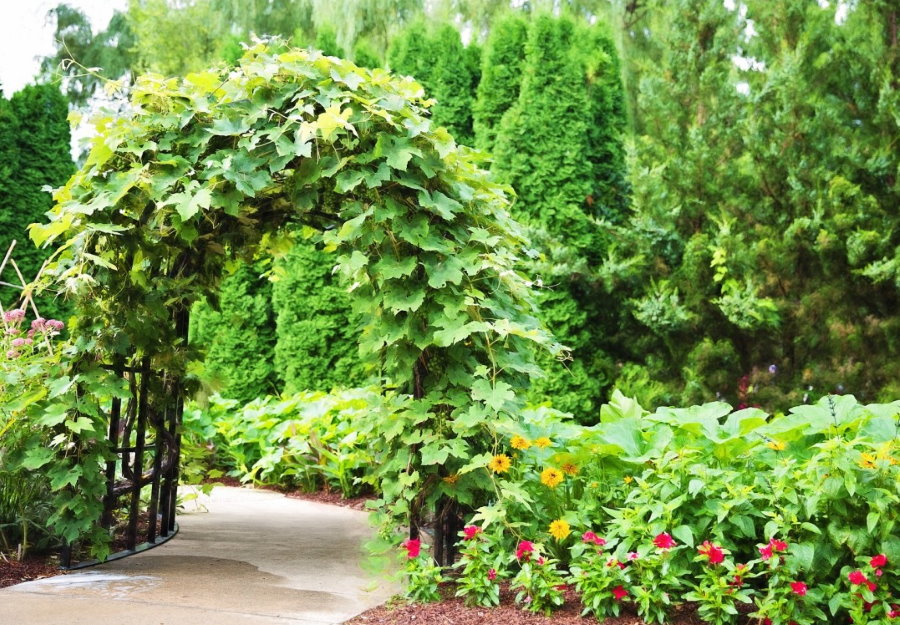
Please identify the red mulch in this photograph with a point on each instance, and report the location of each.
(32, 567)
(452, 611)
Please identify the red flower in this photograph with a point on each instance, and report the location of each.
(778, 545)
(412, 546)
(492, 574)
(525, 548)
(711, 551)
(765, 552)
(767, 621)
(878, 561)
(872, 585)
(857, 578)
(619, 593)
(471, 531)
(798, 588)
(737, 582)
(895, 612)
(664, 541)
(561, 588)
(591, 537)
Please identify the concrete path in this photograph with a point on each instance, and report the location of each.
(254, 558)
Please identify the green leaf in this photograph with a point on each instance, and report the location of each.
(192, 205)
(37, 457)
(495, 396)
(447, 270)
(684, 534)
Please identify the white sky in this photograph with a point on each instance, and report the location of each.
(26, 35)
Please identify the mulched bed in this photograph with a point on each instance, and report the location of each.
(32, 567)
(452, 611)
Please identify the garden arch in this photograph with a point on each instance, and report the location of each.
(227, 164)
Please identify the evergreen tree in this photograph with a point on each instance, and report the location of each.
(437, 59)
(35, 152)
(547, 149)
(501, 77)
(326, 41)
(316, 330)
(364, 55)
(238, 335)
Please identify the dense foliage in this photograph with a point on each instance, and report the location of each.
(221, 165)
(317, 339)
(34, 153)
(553, 146)
(238, 335)
(436, 58)
(759, 260)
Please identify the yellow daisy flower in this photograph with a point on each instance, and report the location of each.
(867, 461)
(559, 529)
(500, 463)
(520, 442)
(628, 479)
(542, 442)
(570, 469)
(551, 477)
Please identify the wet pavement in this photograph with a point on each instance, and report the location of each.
(251, 557)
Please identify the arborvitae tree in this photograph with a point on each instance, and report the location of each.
(501, 77)
(35, 151)
(437, 59)
(317, 346)
(326, 41)
(608, 125)
(543, 149)
(238, 335)
(364, 55)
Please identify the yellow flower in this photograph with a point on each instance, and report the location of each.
(452, 479)
(559, 529)
(500, 463)
(551, 477)
(776, 445)
(570, 469)
(520, 442)
(628, 479)
(867, 461)
(542, 442)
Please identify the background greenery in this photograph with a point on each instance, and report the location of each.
(709, 191)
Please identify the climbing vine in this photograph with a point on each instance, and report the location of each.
(221, 167)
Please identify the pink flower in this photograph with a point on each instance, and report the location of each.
(778, 545)
(412, 546)
(857, 578)
(38, 324)
(20, 342)
(591, 537)
(632, 555)
(765, 552)
(798, 588)
(711, 551)
(14, 316)
(492, 574)
(664, 541)
(872, 585)
(878, 561)
(619, 593)
(471, 531)
(525, 548)
(12, 354)
(56, 325)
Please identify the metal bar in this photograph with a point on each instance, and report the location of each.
(153, 508)
(109, 503)
(170, 484)
(137, 467)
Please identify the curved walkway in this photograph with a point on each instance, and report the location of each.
(254, 558)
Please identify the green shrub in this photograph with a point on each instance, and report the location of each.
(317, 332)
(501, 77)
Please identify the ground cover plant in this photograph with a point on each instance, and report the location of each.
(780, 518)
